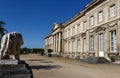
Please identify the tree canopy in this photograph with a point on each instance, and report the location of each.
(2, 29)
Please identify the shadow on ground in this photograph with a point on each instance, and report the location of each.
(36, 59)
(46, 67)
(41, 60)
(46, 62)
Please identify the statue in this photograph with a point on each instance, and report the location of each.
(13, 68)
(10, 44)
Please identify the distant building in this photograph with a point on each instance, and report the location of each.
(95, 32)
(54, 40)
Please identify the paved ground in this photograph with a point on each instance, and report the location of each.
(44, 67)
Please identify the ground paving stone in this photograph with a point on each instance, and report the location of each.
(57, 67)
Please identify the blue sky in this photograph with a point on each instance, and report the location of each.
(34, 18)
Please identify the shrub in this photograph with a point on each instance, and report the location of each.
(50, 50)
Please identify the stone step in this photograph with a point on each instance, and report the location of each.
(96, 60)
(115, 58)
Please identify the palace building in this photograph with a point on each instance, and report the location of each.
(94, 32)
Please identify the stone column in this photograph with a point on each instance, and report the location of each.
(62, 43)
(57, 41)
(54, 43)
(59, 44)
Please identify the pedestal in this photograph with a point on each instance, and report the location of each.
(15, 69)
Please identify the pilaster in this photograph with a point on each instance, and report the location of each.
(107, 42)
(96, 45)
(88, 42)
(118, 37)
(81, 49)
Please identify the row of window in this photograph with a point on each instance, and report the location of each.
(112, 13)
(113, 45)
(83, 25)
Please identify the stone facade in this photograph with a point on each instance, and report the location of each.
(94, 32)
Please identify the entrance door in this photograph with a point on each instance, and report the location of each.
(101, 45)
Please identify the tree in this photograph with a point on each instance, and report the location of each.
(2, 29)
(49, 52)
(24, 50)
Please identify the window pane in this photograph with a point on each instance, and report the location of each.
(84, 26)
(91, 43)
(101, 42)
(91, 20)
(112, 11)
(100, 16)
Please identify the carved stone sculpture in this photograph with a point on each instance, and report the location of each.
(10, 44)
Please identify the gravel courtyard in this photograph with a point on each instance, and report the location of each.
(57, 67)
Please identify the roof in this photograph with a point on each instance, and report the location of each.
(88, 7)
(57, 26)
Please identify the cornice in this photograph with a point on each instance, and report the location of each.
(82, 13)
(48, 36)
(106, 24)
(97, 28)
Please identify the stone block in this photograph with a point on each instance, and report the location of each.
(9, 61)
